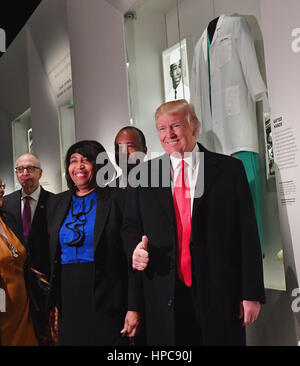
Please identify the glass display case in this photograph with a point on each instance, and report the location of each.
(160, 42)
(22, 139)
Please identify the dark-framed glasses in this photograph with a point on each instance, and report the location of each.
(30, 169)
(2, 186)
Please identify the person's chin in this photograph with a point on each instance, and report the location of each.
(84, 185)
(173, 149)
(27, 183)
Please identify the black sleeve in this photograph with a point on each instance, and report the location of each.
(251, 255)
(132, 228)
(134, 277)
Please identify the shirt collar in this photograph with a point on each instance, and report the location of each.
(191, 158)
(34, 195)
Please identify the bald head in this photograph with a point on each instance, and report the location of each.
(32, 157)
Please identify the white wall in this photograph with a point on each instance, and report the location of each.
(148, 34)
(6, 153)
(121, 5)
(230, 7)
(47, 43)
(194, 16)
(98, 70)
(44, 120)
(14, 100)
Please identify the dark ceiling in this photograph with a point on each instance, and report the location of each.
(13, 17)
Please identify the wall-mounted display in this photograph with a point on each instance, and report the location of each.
(270, 166)
(21, 138)
(176, 75)
(29, 140)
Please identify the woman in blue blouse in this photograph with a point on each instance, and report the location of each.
(89, 272)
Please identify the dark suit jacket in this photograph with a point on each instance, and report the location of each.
(225, 251)
(111, 287)
(37, 245)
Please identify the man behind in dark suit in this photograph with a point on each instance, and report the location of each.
(199, 253)
(28, 171)
(129, 141)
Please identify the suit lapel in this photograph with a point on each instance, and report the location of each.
(41, 206)
(10, 221)
(166, 199)
(164, 191)
(60, 214)
(103, 209)
(16, 207)
(207, 176)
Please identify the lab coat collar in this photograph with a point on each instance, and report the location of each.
(204, 40)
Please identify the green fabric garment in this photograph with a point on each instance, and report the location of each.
(208, 50)
(251, 164)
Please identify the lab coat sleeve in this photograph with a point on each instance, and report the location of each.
(247, 54)
(196, 81)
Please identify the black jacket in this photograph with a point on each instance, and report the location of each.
(37, 245)
(112, 289)
(224, 245)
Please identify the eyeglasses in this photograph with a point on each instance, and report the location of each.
(2, 186)
(30, 169)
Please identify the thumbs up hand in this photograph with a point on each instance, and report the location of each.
(140, 256)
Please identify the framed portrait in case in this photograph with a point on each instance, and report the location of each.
(176, 74)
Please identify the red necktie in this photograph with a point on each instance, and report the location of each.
(26, 218)
(182, 206)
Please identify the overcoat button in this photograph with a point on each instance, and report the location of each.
(170, 302)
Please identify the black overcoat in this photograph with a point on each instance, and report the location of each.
(225, 249)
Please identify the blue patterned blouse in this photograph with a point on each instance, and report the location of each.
(77, 232)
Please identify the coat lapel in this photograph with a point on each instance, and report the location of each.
(60, 214)
(41, 206)
(164, 191)
(207, 176)
(16, 206)
(10, 221)
(103, 209)
(15, 210)
(166, 199)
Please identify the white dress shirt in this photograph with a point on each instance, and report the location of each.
(192, 161)
(33, 202)
(236, 84)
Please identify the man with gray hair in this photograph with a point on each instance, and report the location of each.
(28, 206)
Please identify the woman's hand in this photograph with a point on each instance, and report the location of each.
(53, 323)
(131, 323)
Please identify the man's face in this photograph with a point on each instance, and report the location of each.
(175, 132)
(28, 178)
(127, 143)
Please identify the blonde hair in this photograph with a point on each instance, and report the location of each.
(178, 106)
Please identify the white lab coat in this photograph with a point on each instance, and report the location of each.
(236, 84)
